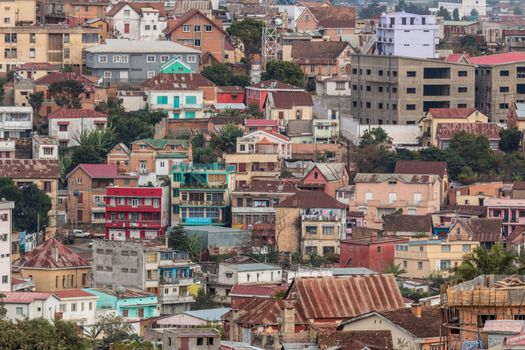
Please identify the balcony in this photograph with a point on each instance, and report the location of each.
(202, 168)
(305, 217)
(203, 186)
(156, 224)
(174, 299)
(203, 203)
(178, 281)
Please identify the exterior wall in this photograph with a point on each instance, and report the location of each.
(247, 277)
(250, 173)
(329, 187)
(75, 126)
(43, 151)
(15, 13)
(288, 114)
(50, 280)
(375, 255)
(84, 313)
(178, 103)
(381, 88)
(171, 342)
(320, 240)
(16, 122)
(287, 234)
(465, 7)
(306, 22)
(126, 17)
(86, 10)
(6, 222)
(37, 309)
(132, 307)
(88, 101)
(120, 158)
(230, 97)
(510, 211)
(476, 117)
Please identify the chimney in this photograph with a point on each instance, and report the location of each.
(288, 319)
(415, 309)
(54, 253)
(373, 238)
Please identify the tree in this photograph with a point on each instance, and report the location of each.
(373, 9)
(395, 270)
(376, 136)
(67, 93)
(510, 140)
(222, 75)
(112, 106)
(109, 329)
(93, 146)
(194, 248)
(129, 127)
(203, 301)
(474, 150)
(32, 208)
(253, 110)
(474, 13)
(287, 72)
(471, 44)
(517, 11)
(248, 34)
(177, 239)
(202, 154)
(443, 12)
(35, 101)
(455, 14)
(226, 139)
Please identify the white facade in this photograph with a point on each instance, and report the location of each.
(7, 149)
(180, 104)
(465, 7)
(6, 210)
(79, 310)
(251, 143)
(258, 273)
(67, 129)
(16, 122)
(128, 24)
(407, 34)
(44, 147)
(35, 305)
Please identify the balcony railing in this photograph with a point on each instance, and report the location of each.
(181, 281)
(189, 168)
(173, 298)
(320, 217)
(204, 203)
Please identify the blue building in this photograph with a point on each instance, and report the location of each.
(131, 302)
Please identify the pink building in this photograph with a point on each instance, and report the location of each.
(136, 212)
(327, 177)
(377, 195)
(510, 211)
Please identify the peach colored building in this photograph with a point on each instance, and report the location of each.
(86, 10)
(382, 194)
(322, 58)
(326, 176)
(158, 155)
(475, 194)
(336, 22)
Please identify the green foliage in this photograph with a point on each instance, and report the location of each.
(67, 93)
(35, 101)
(203, 301)
(3, 81)
(396, 270)
(455, 15)
(178, 240)
(92, 148)
(474, 13)
(112, 106)
(375, 152)
(287, 72)
(411, 8)
(202, 154)
(134, 126)
(253, 110)
(226, 139)
(443, 12)
(510, 140)
(373, 9)
(412, 294)
(517, 10)
(247, 34)
(376, 137)
(222, 75)
(109, 329)
(471, 44)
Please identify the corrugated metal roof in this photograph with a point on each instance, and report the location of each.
(24, 297)
(406, 178)
(52, 255)
(209, 314)
(504, 326)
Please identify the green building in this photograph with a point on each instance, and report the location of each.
(175, 66)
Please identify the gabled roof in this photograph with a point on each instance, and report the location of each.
(98, 171)
(172, 61)
(29, 169)
(138, 7)
(52, 255)
(448, 130)
(141, 46)
(331, 171)
(122, 146)
(268, 186)
(264, 311)
(65, 113)
(162, 143)
(458, 58)
(480, 229)
(405, 178)
(407, 223)
(210, 315)
(421, 167)
(261, 123)
(345, 297)
(501, 58)
(451, 112)
(72, 293)
(334, 16)
(311, 200)
(261, 291)
(289, 99)
(189, 15)
(268, 133)
(273, 85)
(184, 81)
(37, 66)
(182, 6)
(24, 297)
(355, 340)
(55, 77)
(317, 52)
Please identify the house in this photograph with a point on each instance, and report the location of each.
(191, 339)
(327, 177)
(67, 125)
(377, 195)
(201, 193)
(510, 211)
(446, 132)
(230, 94)
(36, 70)
(77, 306)
(407, 225)
(464, 7)
(322, 222)
(119, 156)
(92, 96)
(194, 318)
(252, 125)
(16, 122)
(44, 147)
(86, 204)
(259, 156)
(438, 168)
(485, 231)
(288, 105)
(321, 59)
(339, 85)
(361, 340)
(417, 326)
(137, 20)
(86, 10)
(175, 66)
(6, 244)
(253, 206)
(135, 61)
(336, 22)
(53, 267)
(182, 95)
(475, 194)
(197, 31)
(21, 13)
(375, 253)
(30, 305)
(456, 29)
(128, 303)
(241, 293)
(44, 174)
(181, 7)
(256, 94)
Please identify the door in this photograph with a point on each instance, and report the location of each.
(141, 313)
(184, 344)
(126, 28)
(176, 101)
(124, 75)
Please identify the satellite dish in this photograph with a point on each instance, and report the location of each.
(278, 21)
(121, 289)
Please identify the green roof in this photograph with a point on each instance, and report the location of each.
(162, 143)
(173, 155)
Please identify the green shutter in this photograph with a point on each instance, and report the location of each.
(189, 115)
(162, 100)
(191, 100)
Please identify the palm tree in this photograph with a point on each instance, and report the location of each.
(395, 270)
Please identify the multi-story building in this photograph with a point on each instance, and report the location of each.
(197, 338)
(321, 59)
(197, 31)
(465, 7)
(336, 22)
(6, 225)
(253, 207)
(30, 305)
(382, 194)
(18, 13)
(149, 266)
(259, 155)
(135, 61)
(55, 44)
(16, 122)
(138, 20)
(500, 81)
(87, 184)
(256, 94)
(158, 155)
(44, 147)
(310, 222)
(398, 90)
(44, 174)
(510, 211)
(137, 212)
(68, 124)
(407, 34)
(77, 306)
(87, 10)
(201, 194)
(288, 105)
(129, 303)
(328, 177)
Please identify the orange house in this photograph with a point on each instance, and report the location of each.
(336, 22)
(86, 9)
(196, 30)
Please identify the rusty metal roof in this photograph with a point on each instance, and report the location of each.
(257, 311)
(344, 297)
(52, 255)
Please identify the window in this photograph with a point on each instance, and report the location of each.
(369, 196)
(197, 28)
(328, 230)
(207, 28)
(186, 28)
(62, 127)
(32, 53)
(10, 53)
(20, 311)
(102, 59)
(7, 20)
(340, 85)
(66, 53)
(126, 12)
(32, 38)
(192, 59)
(126, 28)
(411, 90)
(164, 58)
(124, 59)
(191, 100)
(73, 307)
(200, 341)
(197, 42)
(5, 279)
(503, 89)
(420, 265)
(66, 38)
(411, 74)
(503, 106)
(47, 186)
(466, 248)
(462, 73)
(411, 107)
(445, 248)
(503, 73)
(162, 100)
(147, 27)
(150, 59)
(417, 197)
(116, 59)
(107, 74)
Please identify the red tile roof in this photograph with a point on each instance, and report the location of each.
(344, 297)
(137, 7)
(268, 186)
(457, 57)
(421, 167)
(310, 200)
(334, 16)
(184, 18)
(426, 326)
(37, 66)
(43, 257)
(242, 290)
(231, 89)
(61, 76)
(261, 122)
(75, 113)
(448, 130)
(29, 169)
(289, 99)
(451, 112)
(501, 58)
(99, 171)
(188, 81)
(73, 293)
(24, 297)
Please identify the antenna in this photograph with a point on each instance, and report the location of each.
(270, 44)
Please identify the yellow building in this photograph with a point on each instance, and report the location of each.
(54, 267)
(17, 12)
(55, 44)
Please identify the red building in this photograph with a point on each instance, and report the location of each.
(257, 93)
(253, 125)
(136, 212)
(230, 94)
(374, 252)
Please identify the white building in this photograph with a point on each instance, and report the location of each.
(22, 305)
(68, 124)
(6, 210)
(16, 122)
(138, 20)
(256, 273)
(7, 149)
(77, 306)
(407, 34)
(465, 7)
(45, 147)
(261, 141)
